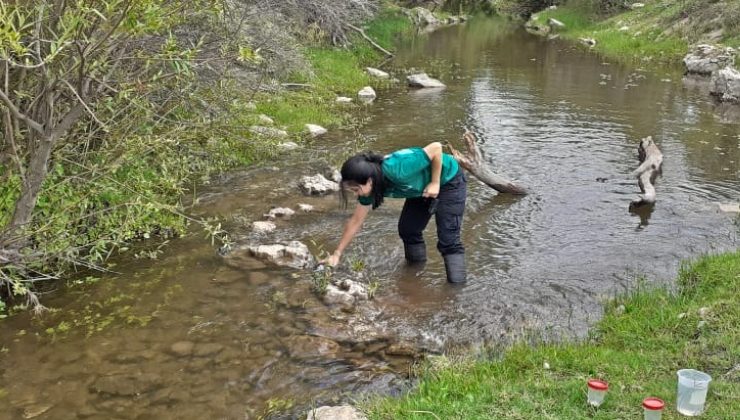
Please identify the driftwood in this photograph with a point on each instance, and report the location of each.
(370, 40)
(472, 161)
(651, 160)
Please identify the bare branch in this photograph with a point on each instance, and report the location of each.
(35, 126)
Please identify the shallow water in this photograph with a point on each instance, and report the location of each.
(187, 336)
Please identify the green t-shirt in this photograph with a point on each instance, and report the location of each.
(408, 171)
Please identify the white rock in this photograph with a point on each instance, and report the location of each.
(268, 131)
(288, 145)
(725, 84)
(706, 59)
(293, 254)
(251, 106)
(555, 23)
(316, 130)
(306, 208)
(546, 366)
(367, 94)
(263, 227)
(343, 99)
(342, 412)
(553, 7)
(422, 16)
(423, 81)
(634, 6)
(264, 119)
(682, 315)
(380, 74)
(317, 185)
(730, 207)
(624, 28)
(703, 312)
(279, 212)
(588, 41)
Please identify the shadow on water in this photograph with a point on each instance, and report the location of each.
(186, 335)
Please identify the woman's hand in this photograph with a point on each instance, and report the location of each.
(332, 260)
(432, 190)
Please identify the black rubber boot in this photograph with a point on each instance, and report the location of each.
(455, 267)
(415, 253)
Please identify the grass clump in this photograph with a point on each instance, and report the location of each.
(643, 339)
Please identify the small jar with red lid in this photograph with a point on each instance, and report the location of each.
(596, 392)
(653, 408)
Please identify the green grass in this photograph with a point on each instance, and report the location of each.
(643, 41)
(643, 339)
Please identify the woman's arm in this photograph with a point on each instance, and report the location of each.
(351, 228)
(434, 151)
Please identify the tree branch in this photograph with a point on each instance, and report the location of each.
(35, 126)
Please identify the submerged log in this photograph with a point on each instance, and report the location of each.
(472, 161)
(651, 159)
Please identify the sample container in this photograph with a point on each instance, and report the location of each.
(653, 408)
(596, 392)
(692, 391)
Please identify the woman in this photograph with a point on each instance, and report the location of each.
(431, 182)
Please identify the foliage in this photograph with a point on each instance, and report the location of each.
(642, 340)
(320, 280)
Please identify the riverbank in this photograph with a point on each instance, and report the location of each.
(643, 339)
(129, 185)
(654, 32)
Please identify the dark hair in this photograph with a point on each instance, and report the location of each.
(358, 169)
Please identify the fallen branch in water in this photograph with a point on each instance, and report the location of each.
(472, 161)
(651, 159)
(370, 40)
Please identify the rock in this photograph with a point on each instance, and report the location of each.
(263, 227)
(726, 85)
(343, 99)
(422, 17)
(367, 94)
(554, 23)
(730, 207)
(35, 410)
(182, 348)
(306, 208)
(342, 412)
(264, 119)
(282, 212)
(377, 73)
(309, 347)
(401, 349)
(705, 59)
(704, 312)
(546, 366)
(553, 7)
(345, 293)
(250, 106)
(241, 259)
(126, 385)
(588, 41)
(207, 349)
(634, 6)
(258, 278)
(293, 254)
(316, 130)
(624, 28)
(268, 131)
(288, 145)
(317, 185)
(619, 310)
(423, 81)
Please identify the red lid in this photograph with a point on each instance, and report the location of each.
(653, 403)
(598, 385)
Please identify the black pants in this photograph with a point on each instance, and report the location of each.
(449, 216)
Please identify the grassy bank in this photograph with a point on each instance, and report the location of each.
(659, 31)
(127, 183)
(643, 339)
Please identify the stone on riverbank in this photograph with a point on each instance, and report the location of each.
(343, 99)
(288, 146)
(367, 94)
(725, 85)
(316, 130)
(380, 74)
(422, 17)
(346, 293)
(705, 59)
(264, 119)
(281, 212)
(317, 185)
(268, 131)
(263, 227)
(423, 81)
(342, 412)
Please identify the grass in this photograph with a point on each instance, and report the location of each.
(643, 339)
(662, 31)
